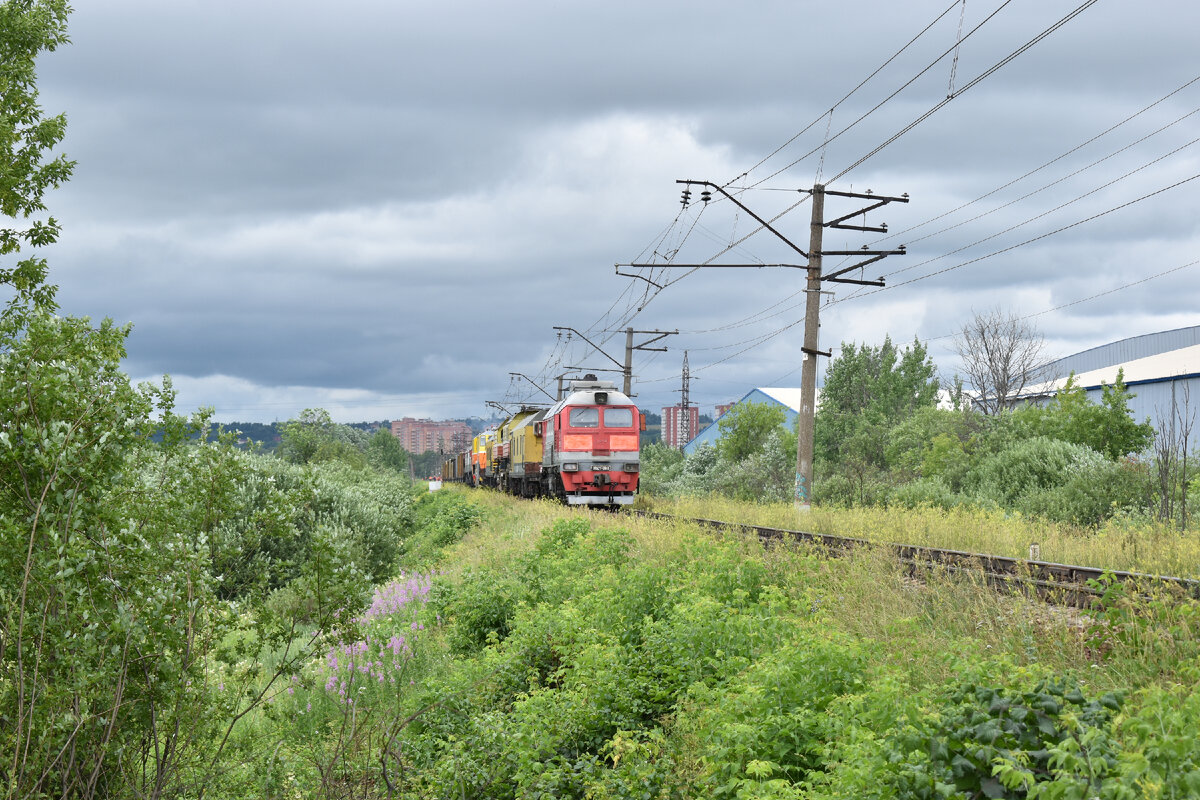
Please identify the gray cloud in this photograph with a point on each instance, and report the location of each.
(387, 206)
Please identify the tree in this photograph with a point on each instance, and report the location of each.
(1106, 427)
(867, 391)
(1002, 355)
(1171, 456)
(745, 428)
(385, 451)
(114, 518)
(302, 438)
(27, 172)
(314, 436)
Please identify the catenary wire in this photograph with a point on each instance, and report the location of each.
(889, 98)
(900, 233)
(970, 85)
(849, 94)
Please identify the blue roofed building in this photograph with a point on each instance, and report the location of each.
(786, 398)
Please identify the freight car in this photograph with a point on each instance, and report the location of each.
(583, 450)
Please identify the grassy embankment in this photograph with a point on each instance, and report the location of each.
(573, 653)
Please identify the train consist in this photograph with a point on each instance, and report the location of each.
(583, 450)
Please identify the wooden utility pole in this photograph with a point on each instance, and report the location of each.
(808, 371)
(625, 369)
(812, 322)
(812, 307)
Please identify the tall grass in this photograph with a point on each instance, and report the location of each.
(1121, 544)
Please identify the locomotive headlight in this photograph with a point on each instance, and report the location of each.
(631, 467)
(570, 466)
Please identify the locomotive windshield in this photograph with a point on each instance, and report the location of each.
(618, 417)
(585, 418)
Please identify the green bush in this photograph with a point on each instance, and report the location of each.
(834, 490)
(440, 519)
(930, 492)
(376, 508)
(1040, 736)
(1029, 466)
(699, 473)
(848, 490)
(766, 475)
(919, 445)
(479, 610)
(1161, 755)
(1092, 494)
(770, 722)
(660, 467)
(1000, 742)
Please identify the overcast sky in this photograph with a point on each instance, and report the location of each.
(383, 208)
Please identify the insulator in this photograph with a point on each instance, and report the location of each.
(884, 226)
(706, 195)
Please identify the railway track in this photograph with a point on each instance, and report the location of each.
(1062, 584)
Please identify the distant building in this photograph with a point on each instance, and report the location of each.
(422, 435)
(1161, 369)
(786, 398)
(674, 433)
(723, 407)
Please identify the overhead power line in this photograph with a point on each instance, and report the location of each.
(970, 85)
(903, 232)
(889, 98)
(845, 97)
(1038, 238)
(1059, 207)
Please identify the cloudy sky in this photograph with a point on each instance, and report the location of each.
(384, 208)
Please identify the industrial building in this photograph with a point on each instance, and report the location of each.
(1161, 369)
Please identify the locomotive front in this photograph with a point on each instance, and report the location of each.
(591, 445)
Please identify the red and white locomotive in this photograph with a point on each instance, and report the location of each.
(583, 450)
